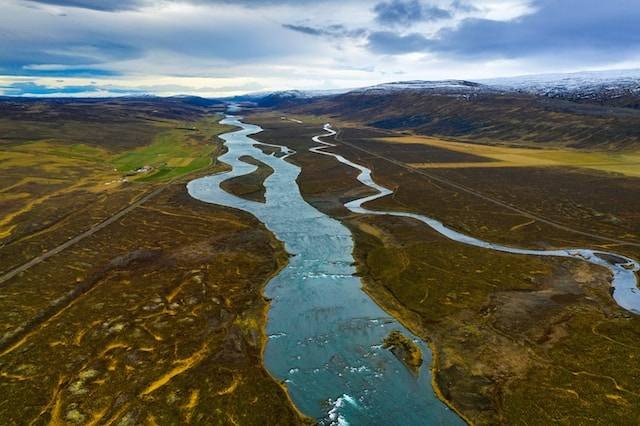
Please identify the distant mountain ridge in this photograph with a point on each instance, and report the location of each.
(572, 82)
(577, 111)
(277, 98)
(441, 86)
(621, 88)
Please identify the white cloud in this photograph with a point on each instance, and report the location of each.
(214, 48)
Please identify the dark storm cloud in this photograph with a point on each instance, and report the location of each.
(569, 28)
(304, 29)
(407, 12)
(88, 72)
(387, 42)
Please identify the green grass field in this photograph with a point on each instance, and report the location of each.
(40, 165)
(173, 153)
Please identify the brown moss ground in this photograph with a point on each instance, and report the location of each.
(249, 186)
(620, 162)
(517, 339)
(588, 212)
(170, 331)
(156, 319)
(609, 202)
(405, 349)
(516, 119)
(52, 190)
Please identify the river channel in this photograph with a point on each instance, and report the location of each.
(325, 334)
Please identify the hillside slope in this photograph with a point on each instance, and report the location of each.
(487, 116)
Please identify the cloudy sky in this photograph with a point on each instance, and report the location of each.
(227, 47)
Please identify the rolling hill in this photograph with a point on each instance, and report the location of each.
(576, 111)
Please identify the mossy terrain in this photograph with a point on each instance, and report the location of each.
(591, 202)
(52, 189)
(507, 331)
(157, 318)
(405, 349)
(249, 186)
(515, 338)
(508, 118)
(502, 156)
(168, 330)
(269, 150)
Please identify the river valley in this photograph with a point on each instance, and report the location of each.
(325, 333)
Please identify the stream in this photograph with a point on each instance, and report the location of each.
(624, 282)
(324, 332)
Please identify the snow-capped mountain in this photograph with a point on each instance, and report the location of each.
(444, 86)
(267, 99)
(614, 88)
(604, 85)
(585, 85)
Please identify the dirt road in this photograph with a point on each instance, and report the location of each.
(36, 260)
